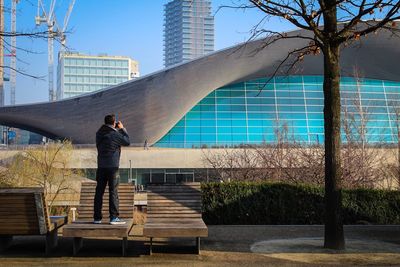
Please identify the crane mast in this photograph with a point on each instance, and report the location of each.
(13, 61)
(1, 54)
(53, 31)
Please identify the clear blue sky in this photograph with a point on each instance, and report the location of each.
(131, 28)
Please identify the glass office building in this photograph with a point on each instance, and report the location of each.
(78, 74)
(250, 113)
(188, 30)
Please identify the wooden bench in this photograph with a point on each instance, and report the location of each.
(174, 210)
(24, 211)
(84, 226)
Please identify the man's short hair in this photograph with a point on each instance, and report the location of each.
(109, 119)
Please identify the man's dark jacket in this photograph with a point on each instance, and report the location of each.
(109, 141)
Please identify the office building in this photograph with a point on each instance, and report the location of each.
(188, 30)
(78, 74)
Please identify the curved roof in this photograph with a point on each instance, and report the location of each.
(150, 106)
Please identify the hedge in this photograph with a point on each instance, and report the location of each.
(278, 203)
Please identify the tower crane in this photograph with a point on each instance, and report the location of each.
(13, 55)
(63, 36)
(53, 32)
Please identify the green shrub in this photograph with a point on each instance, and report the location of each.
(278, 203)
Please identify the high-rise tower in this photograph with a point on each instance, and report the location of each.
(188, 30)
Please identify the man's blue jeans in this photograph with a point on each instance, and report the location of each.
(106, 176)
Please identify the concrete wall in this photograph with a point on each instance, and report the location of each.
(83, 158)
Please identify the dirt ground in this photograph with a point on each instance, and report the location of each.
(225, 246)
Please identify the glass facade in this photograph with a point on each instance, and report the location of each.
(188, 30)
(250, 112)
(78, 74)
(147, 176)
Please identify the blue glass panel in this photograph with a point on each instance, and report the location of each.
(177, 130)
(292, 94)
(208, 101)
(239, 130)
(239, 123)
(224, 115)
(315, 108)
(224, 123)
(268, 108)
(208, 115)
(225, 130)
(208, 123)
(193, 115)
(239, 138)
(372, 96)
(292, 101)
(193, 123)
(238, 116)
(207, 108)
(222, 138)
(392, 96)
(193, 130)
(208, 139)
(235, 119)
(208, 130)
(176, 138)
(256, 129)
(238, 100)
(193, 138)
(255, 123)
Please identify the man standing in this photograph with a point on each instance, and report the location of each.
(109, 139)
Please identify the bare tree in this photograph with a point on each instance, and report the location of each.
(329, 25)
(46, 167)
(284, 160)
(362, 159)
(235, 164)
(394, 116)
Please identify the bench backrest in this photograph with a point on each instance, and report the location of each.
(23, 211)
(125, 192)
(174, 201)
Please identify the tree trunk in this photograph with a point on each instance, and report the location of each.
(398, 155)
(334, 235)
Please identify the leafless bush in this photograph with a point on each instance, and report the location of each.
(45, 167)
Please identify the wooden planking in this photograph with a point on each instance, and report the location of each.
(18, 211)
(174, 211)
(125, 195)
(165, 211)
(174, 216)
(88, 229)
(42, 213)
(177, 232)
(172, 208)
(20, 190)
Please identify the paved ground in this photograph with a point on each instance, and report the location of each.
(225, 246)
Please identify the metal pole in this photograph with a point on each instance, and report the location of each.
(1, 54)
(13, 63)
(130, 171)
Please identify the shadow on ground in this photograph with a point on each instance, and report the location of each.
(225, 246)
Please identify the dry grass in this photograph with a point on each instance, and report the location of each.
(139, 217)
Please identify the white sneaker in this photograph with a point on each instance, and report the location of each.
(97, 221)
(117, 221)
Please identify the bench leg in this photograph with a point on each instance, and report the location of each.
(124, 245)
(5, 242)
(76, 245)
(51, 241)
(197, 245)
(151, 245)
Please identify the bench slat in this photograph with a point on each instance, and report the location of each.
(174, 211)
